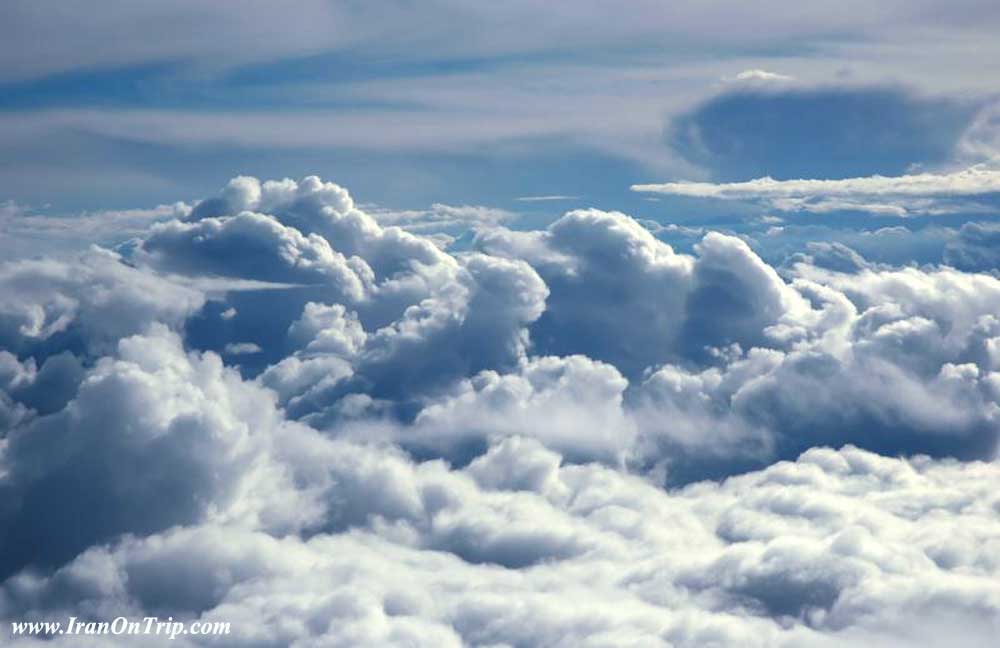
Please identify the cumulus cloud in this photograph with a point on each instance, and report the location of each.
(905, 359)
(312, 212)
(477, 321)
(616, 292)
(620, 295)
(579, 400)
(251, 246)
(311, 237)
(977, 247)
(732, 365)
(48, 305)
(154, 437)
(878, 241)
(837, 547)
(280, 411)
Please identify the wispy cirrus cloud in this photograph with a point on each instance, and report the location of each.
(922, 193)
(440, 217)
(551, 198)
(25, 230)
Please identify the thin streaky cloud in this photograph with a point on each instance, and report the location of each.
(545, 198)
(922, 193)
(758, 75)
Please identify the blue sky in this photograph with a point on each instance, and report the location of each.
(458, 103)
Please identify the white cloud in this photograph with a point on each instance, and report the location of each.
(471, 448)
(549, 198)
(154, 437)
(620, 295)
(837, 547)
(92, 301)
(758, 76)
(846, 351)
(25, 231)
(241, 348)
(579, 400)
(442, 218)
(920, 193)
(67, 38)
(249, 246)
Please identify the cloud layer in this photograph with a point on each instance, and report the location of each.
(921, 193)
(312, 420)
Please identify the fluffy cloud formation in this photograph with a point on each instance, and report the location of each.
(277, 411)
(50, 305)
(252, 246)
(739, 366)
(152, 438)
(620, 295)
(516, 549)
(977, 246)
(312, 238)
(579, 400)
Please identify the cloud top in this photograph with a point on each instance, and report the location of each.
(283, 410)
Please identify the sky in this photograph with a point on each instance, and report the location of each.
(502, 324)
